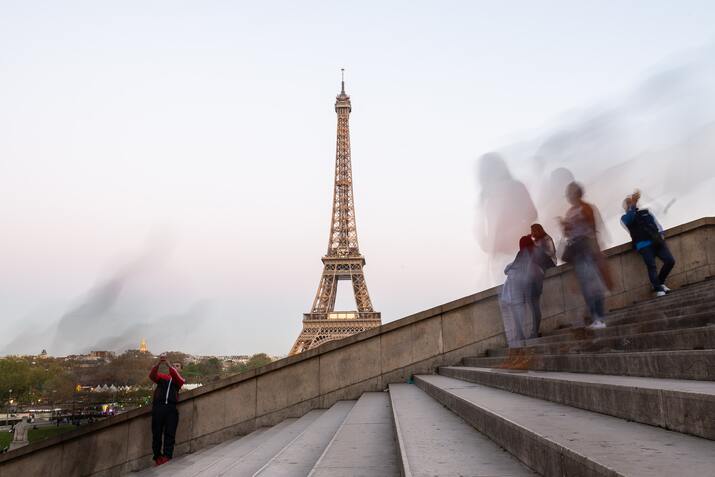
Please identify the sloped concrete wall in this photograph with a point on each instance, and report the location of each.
(345, 369)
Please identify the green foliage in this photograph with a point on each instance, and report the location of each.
(46, 432)
(5, 439)
(31, 379)
(255, 361)
(53, 380)
(258, 360)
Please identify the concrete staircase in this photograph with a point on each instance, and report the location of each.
(634, 399)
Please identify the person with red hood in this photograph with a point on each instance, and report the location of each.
(164, 415)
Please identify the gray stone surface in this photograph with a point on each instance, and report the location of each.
(365, 443)
(217, 457)
(679, 339)
(680, 405)
(300, 455)
(694, 320)
(560, 440)
(656, 364)
(256, 459)
(434, 441)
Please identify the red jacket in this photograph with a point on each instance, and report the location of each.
(167, 385)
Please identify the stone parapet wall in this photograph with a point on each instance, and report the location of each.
(344, 369)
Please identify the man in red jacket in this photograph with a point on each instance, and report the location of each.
(164, 415)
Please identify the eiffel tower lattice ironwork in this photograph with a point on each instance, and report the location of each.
(343, 260)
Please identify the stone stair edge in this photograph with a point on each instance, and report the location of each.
(660, 407)
(638, 338)
(554, 453)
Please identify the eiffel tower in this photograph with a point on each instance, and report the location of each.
(343, 260)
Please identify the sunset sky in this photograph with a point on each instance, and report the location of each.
(173, 160)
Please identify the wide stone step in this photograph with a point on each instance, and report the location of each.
(691, 364)
(255, 460)
(678, 405)
(681, 339)
(702, 296)
(582, 333)
(435, 442)
(663, 310)
(703, 288)
(300, 455)
(365, 443)
(634, 315)
(558, 440)
(216, 457)
(669, 302)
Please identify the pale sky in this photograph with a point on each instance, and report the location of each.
(199, 138)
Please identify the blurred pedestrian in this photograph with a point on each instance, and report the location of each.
(543, 256)
(504, 212)
(583, 252)
(518, 293)
(648, 240)
(545, 245)
(164, 415)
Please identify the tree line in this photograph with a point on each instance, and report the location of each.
(30, 380)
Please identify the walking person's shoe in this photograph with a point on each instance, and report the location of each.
(660, 293)
(665, 288)
(597, 324)
(162, 459)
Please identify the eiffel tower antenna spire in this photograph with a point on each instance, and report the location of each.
(343, 260)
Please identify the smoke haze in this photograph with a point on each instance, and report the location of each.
(659, 139)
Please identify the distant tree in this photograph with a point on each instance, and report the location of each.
(210, 367)
(258, 360)
(237, 368)
(32, 381)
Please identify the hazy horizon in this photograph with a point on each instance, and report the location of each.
(168, 167)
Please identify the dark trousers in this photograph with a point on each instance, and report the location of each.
(649, 255)
(534, 302)
(164, 419)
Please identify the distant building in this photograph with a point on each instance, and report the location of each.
(92, 359)
(143, 347)
(101, 354)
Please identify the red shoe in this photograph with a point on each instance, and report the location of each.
(162, 459)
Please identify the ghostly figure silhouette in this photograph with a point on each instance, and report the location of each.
(505, 213)
(550, 200)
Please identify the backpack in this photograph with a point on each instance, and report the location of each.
(645, 221)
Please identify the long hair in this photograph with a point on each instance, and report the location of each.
(526, 242)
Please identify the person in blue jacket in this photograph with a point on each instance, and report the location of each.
(649, 241)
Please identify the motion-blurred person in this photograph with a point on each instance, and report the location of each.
(648, 240)
(544, 257)
(545, 244)
(550, 200)
(583, 251)
(164, 415)
(504, 212)
(522, 278)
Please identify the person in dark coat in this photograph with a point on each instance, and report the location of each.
(164, 415)
(649, 241)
